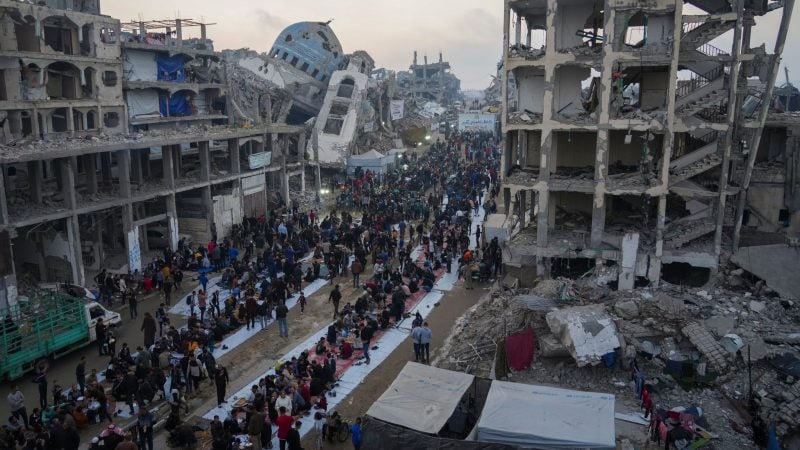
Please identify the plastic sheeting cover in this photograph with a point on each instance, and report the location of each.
(178, 104)
(547, 418)
(139, 66)
(421, 398)
(170, 68)
(142, 102)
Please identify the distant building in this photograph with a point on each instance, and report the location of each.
(432, 82)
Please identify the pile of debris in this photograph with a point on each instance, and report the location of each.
(694, 346)
(524, 118)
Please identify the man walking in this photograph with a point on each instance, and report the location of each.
(280, 315)
(335, 297)
(133, 303)
(80, 374)
(221, 380)
(366, 336)
(16, 404)
(356, 268)
(144, 429)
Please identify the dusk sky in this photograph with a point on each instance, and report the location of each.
(468, 32)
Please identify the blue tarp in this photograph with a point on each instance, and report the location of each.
(178, 104)
(170, 68)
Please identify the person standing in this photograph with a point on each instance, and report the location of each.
(284, 423)
(133, 303)
(280, 315)
(144, 429)
(425, 335)
(302, 301)
(16, 404)
(202, 297)
(191, 301)
(41, 383)
(366, 338)
(355, 433)
(415, 338)
(356, 268)
(168, 284)
(477, 236)
(221, 380)
(80, 374)
(335, 297)
(161, 318)
(255, 427)
(251, 308)
(293, 437)
(149, 329)
(100, 334)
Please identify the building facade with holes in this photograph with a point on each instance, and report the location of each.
(626, 144)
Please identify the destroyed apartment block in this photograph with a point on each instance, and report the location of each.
(429, 81)
(117, 141)
(630, 141)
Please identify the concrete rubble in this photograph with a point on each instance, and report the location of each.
(587, 331)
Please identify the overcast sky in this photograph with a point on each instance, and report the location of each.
(468, 32)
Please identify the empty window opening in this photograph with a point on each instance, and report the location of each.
(110, 78)
(526, 93)
(91, 120)
(111, 119)
(59, 120)
(575, 153)
(639, 89)
(572, 268)
(629, 212)
(87, 33)
(27, 123)
(346, 88)
(334, 125)
(88, 82)
(77, 120)
(684, 274)
(63, 80)
(315, 73)
(576, 93)
(107, 36)
(288, 38)
(3, 93)
(570, 216)
(294, 61)
(580, 27)
(339, 109)
(304, 67)
(633, 152)
(60, 34)
(25, 32)
(636, 30)
(285, 55)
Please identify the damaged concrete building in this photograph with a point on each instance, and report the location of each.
(433, 82)
(627, 135)
(116, 140)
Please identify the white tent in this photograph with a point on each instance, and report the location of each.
(372, 160)
(542, 417)
(422, 398)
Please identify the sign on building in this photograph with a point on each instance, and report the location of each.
(397, 109)
(477, 122)
(134, 251)
(259, 160)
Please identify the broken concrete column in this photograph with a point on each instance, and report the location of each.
(172, 219)
(90, 165)
(67, 174)
(36, 180)
(3, 200)
(630, 248)
(233, 153)
(124, 172)
(75, 255)
(167, 167)
(205, 160)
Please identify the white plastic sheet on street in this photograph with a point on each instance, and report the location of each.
(421, 398)
(546, 418)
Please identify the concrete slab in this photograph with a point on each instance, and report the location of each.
(776, 264)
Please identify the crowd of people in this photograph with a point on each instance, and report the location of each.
(426, 203)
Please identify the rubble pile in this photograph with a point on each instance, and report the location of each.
(523, 51)
(692, 344)
(524, 117)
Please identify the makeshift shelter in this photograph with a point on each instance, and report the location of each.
(427, 408)
(372, 160)
(540, 417)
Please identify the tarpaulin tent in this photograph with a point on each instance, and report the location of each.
(372, 160)
(421, 398)
(139, 66)
(170, 68)
(542, 417)
(142, 102)
(427, 408)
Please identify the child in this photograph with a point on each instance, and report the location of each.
(302, 302)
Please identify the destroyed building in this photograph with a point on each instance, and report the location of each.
(432, 81)
(117, 141)
(631, 141)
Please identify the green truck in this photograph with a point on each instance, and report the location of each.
(48, 324)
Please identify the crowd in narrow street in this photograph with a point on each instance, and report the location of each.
(426, 205)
